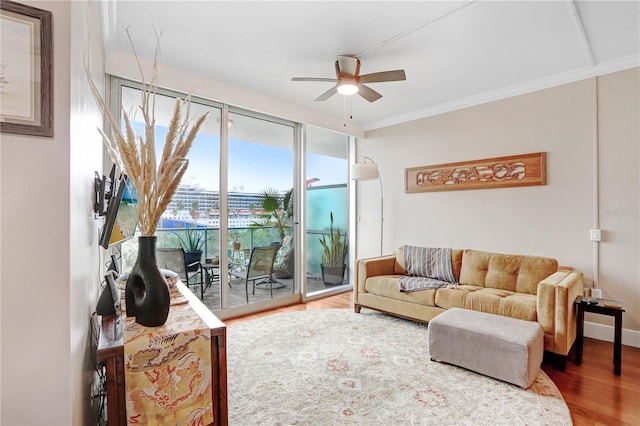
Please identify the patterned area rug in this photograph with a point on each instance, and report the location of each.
(333, 366)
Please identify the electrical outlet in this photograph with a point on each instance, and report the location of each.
(596, 292)
(594, 235)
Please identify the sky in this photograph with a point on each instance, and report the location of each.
(253, 167)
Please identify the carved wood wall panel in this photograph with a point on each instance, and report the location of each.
(497, 172)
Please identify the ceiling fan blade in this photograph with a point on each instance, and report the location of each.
(368, 93)
(326, 95)
(333, 80)
(379, 77)
(347, 69)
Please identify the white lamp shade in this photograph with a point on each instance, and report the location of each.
(364, 171)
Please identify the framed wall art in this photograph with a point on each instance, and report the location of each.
(26, 61)
(497, 172)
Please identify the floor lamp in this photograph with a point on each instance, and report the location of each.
(368, 170)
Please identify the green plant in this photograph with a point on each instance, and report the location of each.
(277, 211)
(335, 249)
(192, 239)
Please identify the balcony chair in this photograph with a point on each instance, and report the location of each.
(259, 268)
(279, 266)
(174, 259)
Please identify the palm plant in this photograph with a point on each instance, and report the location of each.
(335, 249)
(276, 211)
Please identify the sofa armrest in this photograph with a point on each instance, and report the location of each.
(556, 310)
(372, 267)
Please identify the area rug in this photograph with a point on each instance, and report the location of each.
(333, 366)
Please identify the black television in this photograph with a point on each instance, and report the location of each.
(121, 215)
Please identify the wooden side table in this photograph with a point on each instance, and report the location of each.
(110, 353)
(600, 308)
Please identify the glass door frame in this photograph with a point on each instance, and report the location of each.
(114, 86)
(227, 311)
(301, 262)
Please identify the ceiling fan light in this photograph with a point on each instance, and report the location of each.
(347, 89)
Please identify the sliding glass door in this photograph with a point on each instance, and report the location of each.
(250, 183)
(190, 219)
(327, 211)
(260, 209)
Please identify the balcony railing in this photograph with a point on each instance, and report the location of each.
(247, 237)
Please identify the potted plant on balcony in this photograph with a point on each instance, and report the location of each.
(334, 246)
(191, 240)
(274, 210)
(236, 245)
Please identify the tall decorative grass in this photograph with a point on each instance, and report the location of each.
(135, 153)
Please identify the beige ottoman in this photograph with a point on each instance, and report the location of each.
(504, 348)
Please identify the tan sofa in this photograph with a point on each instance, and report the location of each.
(526, 287)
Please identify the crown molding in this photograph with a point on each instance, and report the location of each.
(619, 64)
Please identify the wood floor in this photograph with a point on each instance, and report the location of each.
(594, 395)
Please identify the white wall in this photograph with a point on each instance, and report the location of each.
(551, 220)
(49, 264)
(35, 261)
(86, 157)
(619, 194)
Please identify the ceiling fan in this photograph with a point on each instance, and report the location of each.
(349, 81)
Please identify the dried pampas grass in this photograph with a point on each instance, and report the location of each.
(135, 153)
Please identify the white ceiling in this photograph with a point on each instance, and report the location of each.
(455, 53)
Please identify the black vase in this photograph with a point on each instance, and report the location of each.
(147, 292)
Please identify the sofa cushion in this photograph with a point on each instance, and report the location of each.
(387, 286)
(429, 262)
(456, 262)
(399, 266)
(514, 273)
(454, 297)
(534, 269)
(489, 300)
(503, 302)
(475, 265)
(519, 305)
